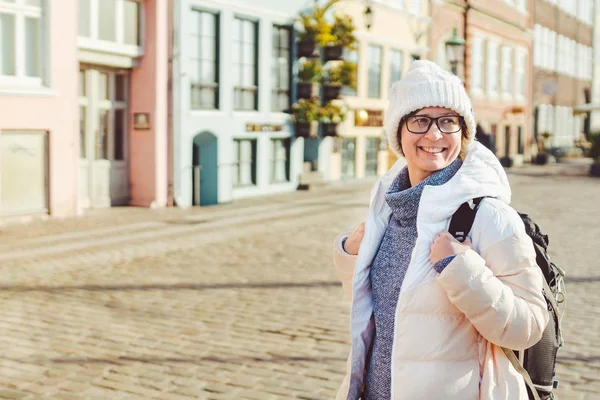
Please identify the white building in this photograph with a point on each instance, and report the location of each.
(232, 80)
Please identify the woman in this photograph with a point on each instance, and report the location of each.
(430, 314)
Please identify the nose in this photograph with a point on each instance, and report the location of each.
(434, 133)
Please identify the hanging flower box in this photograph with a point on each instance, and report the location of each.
(332, 53)
(307, 48)
(307, 129)
(329, 129)
(307, 90)
(331, 92)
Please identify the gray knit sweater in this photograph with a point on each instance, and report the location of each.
(388, 270)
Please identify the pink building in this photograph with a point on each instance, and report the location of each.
(68, 144)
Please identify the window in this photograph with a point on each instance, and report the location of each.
(280, 73)
(280, 165)
(21, 23)
(398, 4)
(492, 67)
(371, 155)
(537, 45)
(374, 71)
(245, 65)
(507, 72)
(520, 72)
(244, 162)
(522, 5)
(116, 21)
(348, 157)
(477, 63)
(204, 60)
(395, 66)
(352, 56)
(23, 172)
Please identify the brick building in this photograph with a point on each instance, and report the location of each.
(563, 68)
(496, 67)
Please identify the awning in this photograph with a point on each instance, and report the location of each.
(584, 108)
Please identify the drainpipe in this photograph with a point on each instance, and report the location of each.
(465, 25)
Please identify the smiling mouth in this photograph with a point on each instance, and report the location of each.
(432, 150)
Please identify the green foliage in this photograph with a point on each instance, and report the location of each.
(310, 71)
(342, 73)
(332, 113)
(343, 30)
(306, 110)
(316, 29)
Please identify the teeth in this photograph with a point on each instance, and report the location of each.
(433, 149)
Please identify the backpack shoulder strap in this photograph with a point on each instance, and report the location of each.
(462, 220)
(515, 362)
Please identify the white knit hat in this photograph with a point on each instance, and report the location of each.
(425, 84)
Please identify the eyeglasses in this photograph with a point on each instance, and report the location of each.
(445, 123)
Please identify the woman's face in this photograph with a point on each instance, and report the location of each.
(433, 150)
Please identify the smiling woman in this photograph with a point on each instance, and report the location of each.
(430, 314)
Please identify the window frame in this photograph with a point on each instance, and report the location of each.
(276, 89)
(21, 11)
(118, 46)
(252, 88)
(237, 161)
(372, 59)
(215, 86)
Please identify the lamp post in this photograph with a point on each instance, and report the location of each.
(368, 14)
(455, 50)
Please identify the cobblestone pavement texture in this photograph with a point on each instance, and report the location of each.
(237, 301)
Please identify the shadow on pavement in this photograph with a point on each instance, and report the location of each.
(193, 360)
(582, 279)
(176, 286)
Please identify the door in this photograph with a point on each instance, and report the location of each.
(348, 158)
(103, 110)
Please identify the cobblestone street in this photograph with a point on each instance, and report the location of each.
(237, 301)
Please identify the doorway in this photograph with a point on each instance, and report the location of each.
(205, 172)
(103, 131)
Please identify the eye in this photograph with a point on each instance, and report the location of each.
(422, 121)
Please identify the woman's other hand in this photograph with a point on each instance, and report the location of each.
(445, 245)
(352, 244)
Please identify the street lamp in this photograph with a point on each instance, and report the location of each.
(455, 50)
(368, 16)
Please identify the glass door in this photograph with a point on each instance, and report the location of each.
(103, 101)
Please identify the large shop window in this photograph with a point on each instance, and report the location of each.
(23, 172)
(374, 71)
(245, 65)
(115, 21)
(280, 164)
(204, 60)
(371, 155)
(348, 158)
(281, 64)
(21, 44)
(244, 162)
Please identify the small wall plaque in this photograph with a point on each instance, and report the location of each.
(141, 121)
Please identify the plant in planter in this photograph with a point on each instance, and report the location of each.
(315, 31)
(342, 73)
(543, 152)
(595, 153)
(343, 32)
(305, 114)
(309, 76)
(330, 115)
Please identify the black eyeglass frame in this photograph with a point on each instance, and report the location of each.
(436, 119)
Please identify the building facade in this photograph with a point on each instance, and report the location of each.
(495, 69)
(563, 69)
(232, 83)
(396, 37)
(38, 103)
(122, 51)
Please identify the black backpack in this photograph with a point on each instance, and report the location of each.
(537, 363)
